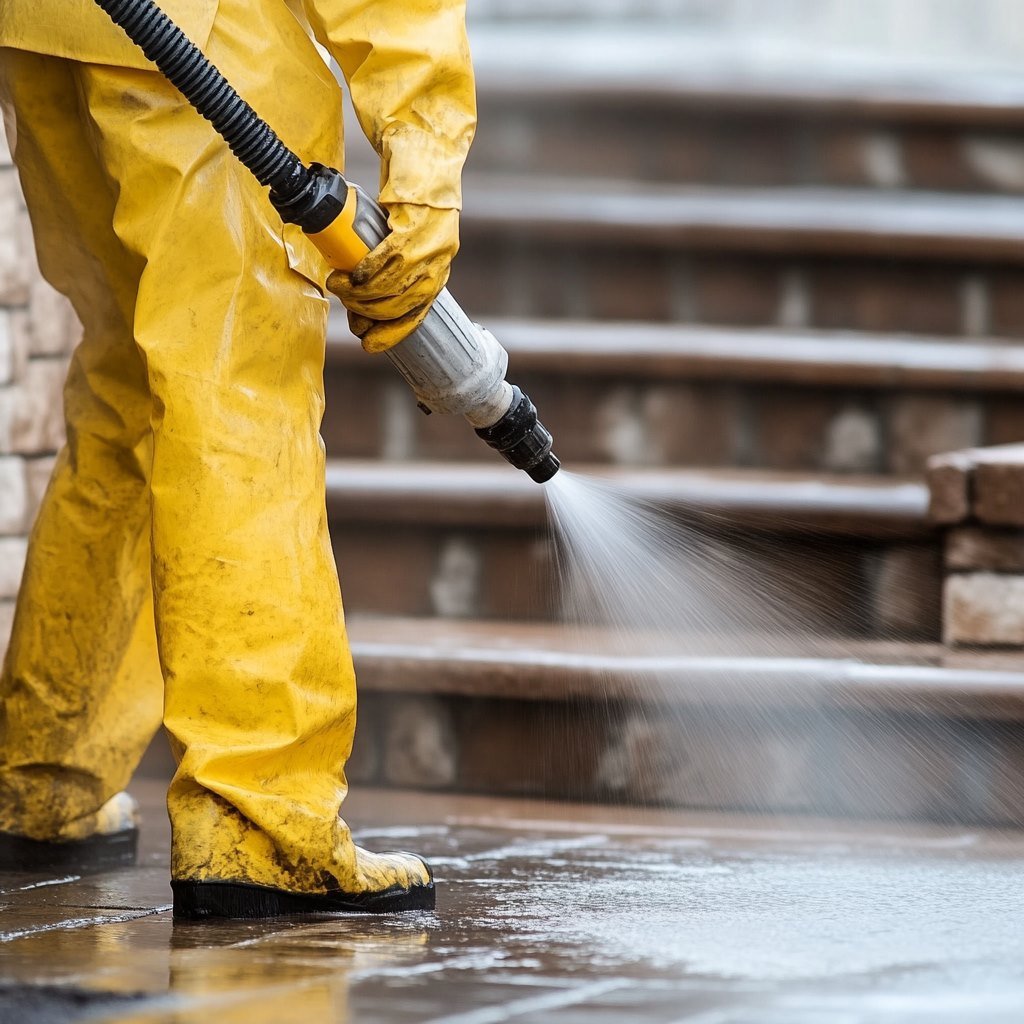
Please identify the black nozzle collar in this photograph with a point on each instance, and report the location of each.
(521, 439)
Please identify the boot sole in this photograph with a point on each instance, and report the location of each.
(77, 856)
(200, 901)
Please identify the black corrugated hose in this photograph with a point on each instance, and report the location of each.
(249, 137)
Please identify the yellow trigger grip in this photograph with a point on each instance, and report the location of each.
(339, 243)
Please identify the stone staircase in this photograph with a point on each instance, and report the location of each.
(764, 299)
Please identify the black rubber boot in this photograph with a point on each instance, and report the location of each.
(73, 857)
(201, 901)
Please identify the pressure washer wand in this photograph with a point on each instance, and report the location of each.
(452, 364)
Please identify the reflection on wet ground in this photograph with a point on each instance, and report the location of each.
(556, 913)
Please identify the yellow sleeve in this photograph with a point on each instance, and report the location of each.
(409, 71)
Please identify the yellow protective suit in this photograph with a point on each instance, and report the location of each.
(181, 555)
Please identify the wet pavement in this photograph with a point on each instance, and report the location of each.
(559, 913)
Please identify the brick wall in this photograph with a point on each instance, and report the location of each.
(978, 495)
(37, 331)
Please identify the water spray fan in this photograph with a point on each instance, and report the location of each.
(452, 364)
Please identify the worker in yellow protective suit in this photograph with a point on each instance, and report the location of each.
(180, 568)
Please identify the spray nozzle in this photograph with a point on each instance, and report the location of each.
(520, 438)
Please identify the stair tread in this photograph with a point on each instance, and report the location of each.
(780, 220)
(640, 349)
(494, 494)
(661, 63)
(562, 662)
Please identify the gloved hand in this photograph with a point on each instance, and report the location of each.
(393, 287)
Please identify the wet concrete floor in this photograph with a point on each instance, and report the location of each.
(559, 913)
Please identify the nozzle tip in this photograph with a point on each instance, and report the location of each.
(545, 469)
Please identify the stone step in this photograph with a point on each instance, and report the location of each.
(849, 554)
(849, 259)
(786, 724)
(927, 226)
(713, 125)
(663, 103)
(679, 394)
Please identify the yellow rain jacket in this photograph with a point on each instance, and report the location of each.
(180, 568)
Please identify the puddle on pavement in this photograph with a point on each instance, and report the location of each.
(542, 924)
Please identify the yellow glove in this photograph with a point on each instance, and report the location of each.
(393, 287)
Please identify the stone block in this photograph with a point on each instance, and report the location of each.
(1007, 299)
(530, 748)
(889, 768)
(17, 260)
(21, 342)
(517, 579)
(455, 581)
(37, 473)
(702, 760)
(996, 161)
(6, 348)
(875, 296)
(853, 442)
(419, 743)
(14, 500)
(992, 550)
(920, 426)
(637, 288)
(908, 592)
(756, 151)
(841, 157)
(53, 325)
(6, 621)
(389, 579)
(1004, 419)
(999, 486)
(789, 428)
(936, 158)
(364, 764)
(690, 424)
(32, 412)
(984, 609)
(949, 479)
(12, 562)
(736, 291)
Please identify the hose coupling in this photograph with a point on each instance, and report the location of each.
(521, 439)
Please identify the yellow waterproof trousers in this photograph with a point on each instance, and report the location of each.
(181, 554)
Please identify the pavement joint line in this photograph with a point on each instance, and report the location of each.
(74, 923)
(532, 1004)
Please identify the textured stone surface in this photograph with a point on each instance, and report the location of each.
(978, 547)
(12, 561)
(14, 495)
(53, 326)
(6, 348)
(6, 620)
(419, 745)
(31, 414)
(999, 487)
(16, 262)
(920, 426)
(948, 478)
(37, 474)
(908, 589)
(984, 608)
(873, 297)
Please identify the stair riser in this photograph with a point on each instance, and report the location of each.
(646, 421)
(647, 140)
(588, 278)
(908, 767)
(844, 587)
